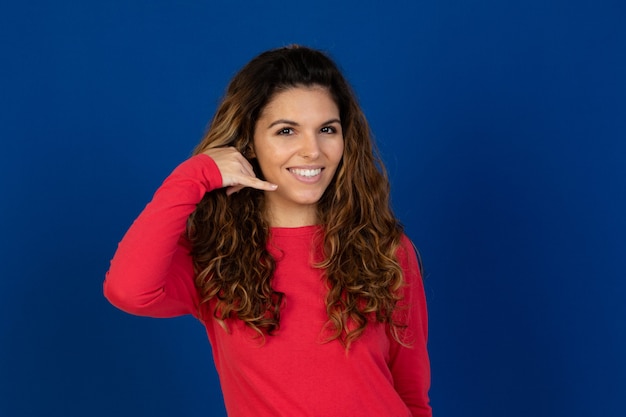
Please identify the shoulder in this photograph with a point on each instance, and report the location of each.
(409, 258)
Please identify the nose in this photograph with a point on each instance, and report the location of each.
(310, 147)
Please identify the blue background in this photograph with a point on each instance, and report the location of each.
(503, 126)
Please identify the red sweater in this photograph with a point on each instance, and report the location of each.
(293, 373)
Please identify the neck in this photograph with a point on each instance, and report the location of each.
(304, 216)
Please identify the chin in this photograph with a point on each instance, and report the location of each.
(308, 200)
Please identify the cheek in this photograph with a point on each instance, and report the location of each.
(269, 161)
(337, 151)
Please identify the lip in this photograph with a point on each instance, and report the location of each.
(304, 179)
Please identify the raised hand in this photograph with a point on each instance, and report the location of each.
(236, 171)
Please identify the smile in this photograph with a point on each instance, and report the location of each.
(307, 173)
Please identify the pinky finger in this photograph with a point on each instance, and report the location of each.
(234, 189)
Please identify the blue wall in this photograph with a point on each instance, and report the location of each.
(503, 126)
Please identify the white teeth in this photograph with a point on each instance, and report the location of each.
(306, 172)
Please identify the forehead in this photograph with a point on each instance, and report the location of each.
(302, 101)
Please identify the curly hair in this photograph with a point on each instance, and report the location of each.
(361, 235)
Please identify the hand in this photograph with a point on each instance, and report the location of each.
(236, 171)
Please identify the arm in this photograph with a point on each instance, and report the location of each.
(152, 273)
(410, 366)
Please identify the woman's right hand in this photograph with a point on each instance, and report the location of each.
(236, 171)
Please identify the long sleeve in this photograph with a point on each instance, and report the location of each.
(410, 366)
(151, 273)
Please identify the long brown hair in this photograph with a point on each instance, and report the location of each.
(361, 235)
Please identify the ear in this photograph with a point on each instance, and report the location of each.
(249, 152)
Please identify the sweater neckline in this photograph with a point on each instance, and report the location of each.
(295, 231)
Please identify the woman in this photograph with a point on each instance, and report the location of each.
(278, 235)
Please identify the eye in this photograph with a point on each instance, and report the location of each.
(328, 129)
(285, 131)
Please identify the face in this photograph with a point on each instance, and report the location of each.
(298, 143)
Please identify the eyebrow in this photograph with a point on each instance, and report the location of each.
(292, 123)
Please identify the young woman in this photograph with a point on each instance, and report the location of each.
(278, 236)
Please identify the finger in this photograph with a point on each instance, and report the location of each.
(263, 185)
(234, 189)
(256, 183)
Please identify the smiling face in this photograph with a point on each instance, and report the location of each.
(298, 143)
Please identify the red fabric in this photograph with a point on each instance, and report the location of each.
(292, 373)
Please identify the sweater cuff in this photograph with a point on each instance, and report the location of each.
(201, 168)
